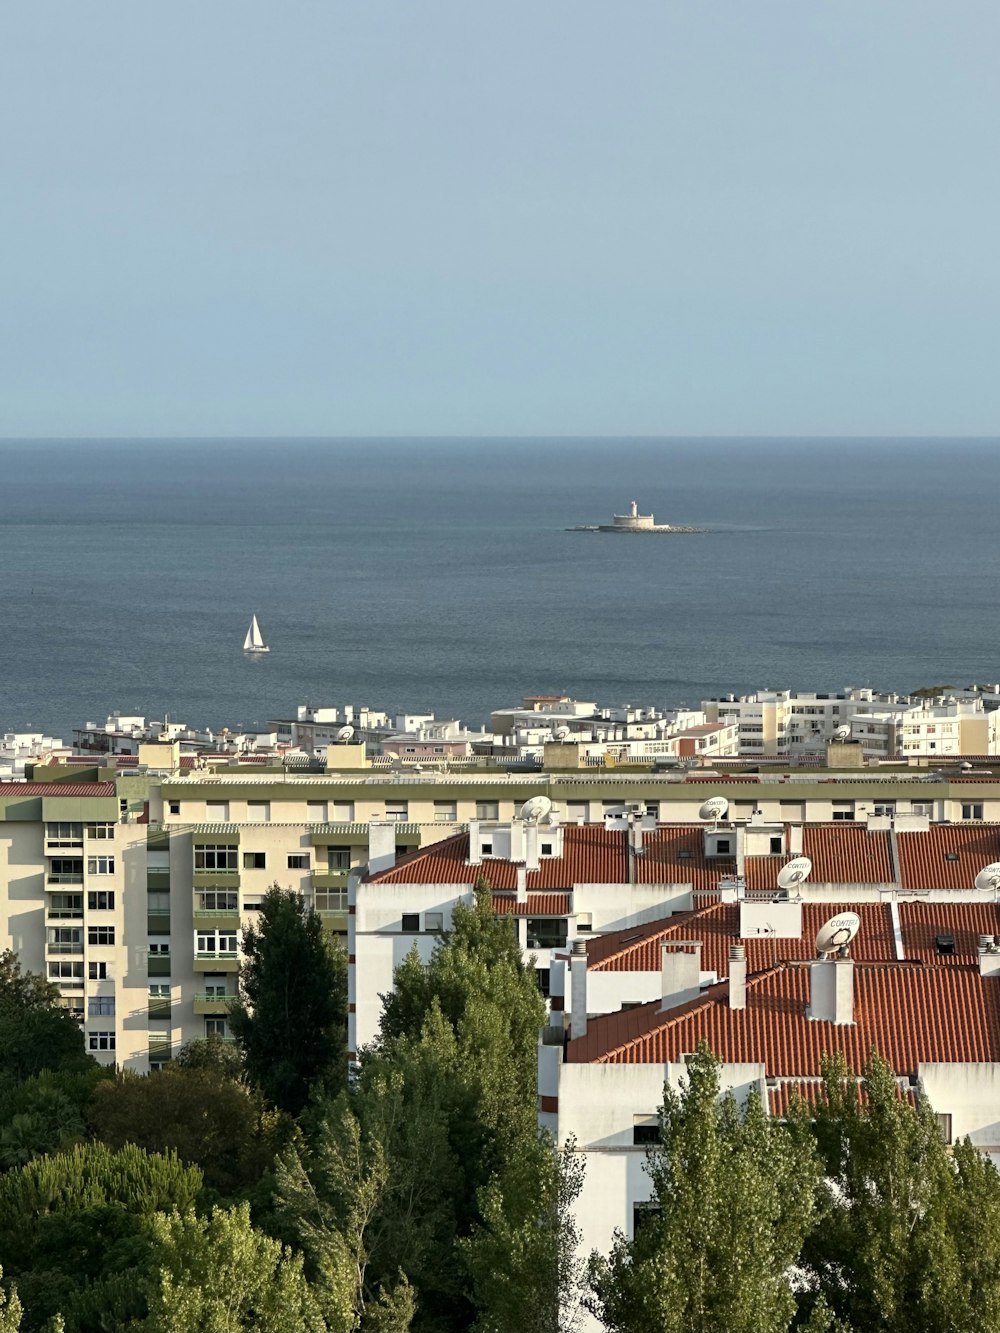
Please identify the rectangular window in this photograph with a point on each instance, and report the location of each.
(487, 809)
(100, 865)
(217, 812)
(884, 809)
(65, 936)
(159, 990)
(338, 858)
(218, 942)
(61, 834)
(547, 933)
(100, 934)
(843, 810)
(97, 971)
(64, 905)
(101, 1006)
(923, 808)
(254, 861)
(776, 846)
(101, 900)
(101, 1041)
(219, 900)
(316, 812)
(972, 809)
(446, 812)
(396, 810)
(722, 847)
(66, 870)
(216, 1027)
(298, 861)
(258, 812)
(215, 990)
(155, 950)
(645, 1129)
(944, 1125)
(174, 807)
(331, 900)
(66, 971)
(208, 856)
(434, 922)
(342, 812)
(487, 849)
(653, 809)
(101, 832)
(542, 978)
(411, 923)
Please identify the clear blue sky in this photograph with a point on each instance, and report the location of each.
(350, 217)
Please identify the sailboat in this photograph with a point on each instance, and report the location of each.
(254, 641)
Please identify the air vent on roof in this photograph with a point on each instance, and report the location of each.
(951, 856)
(684, 854)
(945, 945)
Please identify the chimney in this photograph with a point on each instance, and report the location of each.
(989, 957)
(680, 972)
(795, 839)
(737, 976)
(831, 990)
(522, 883)
(381, 846)
(578, 990)
(475, 854)
(531, 846)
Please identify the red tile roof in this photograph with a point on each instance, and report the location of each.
(662, 861)
(637, 949)
(538, 904)
(922, 856)
(906, 1012)
(921, 923)
(31, 789)
(591, 855)
(846, 853)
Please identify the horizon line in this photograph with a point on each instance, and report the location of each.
(459, 437)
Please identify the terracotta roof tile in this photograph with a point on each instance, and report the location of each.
(811, 1092)
(675, 854)
(591, 855)
(923, 857)
(907, 1012)
(32, 789)
(921, 923)
(538, 904)
(846, 853)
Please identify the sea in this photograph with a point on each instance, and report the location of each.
(438, 575)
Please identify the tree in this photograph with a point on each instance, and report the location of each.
(45, 1113)
(223, 1127)
(733, 1197)
(35, 1033)
(291, 1019)
(211, 1053)
(220, 1275)
(10, 1310)
(908, 1236)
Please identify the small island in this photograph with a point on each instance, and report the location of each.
(633, 522)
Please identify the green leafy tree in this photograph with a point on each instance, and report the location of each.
(291, 1019)
(223, 1127)
(10, 1310)
(35, 1033)
(220, 1275)
(734, 1195)
(45, 1113)
(908, 1236)
(211, 1053)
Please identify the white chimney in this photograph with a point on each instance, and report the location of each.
(795, 839)
(989, 957)
(737, 976)
(680, 972)
(522, 883)
(381, 845)
(531, 846)
(578, 989)
(475, 849)
(831, 990)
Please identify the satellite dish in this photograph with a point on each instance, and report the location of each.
(561, 733)
(837, 932)
(966, 767)
(535, 809)
(842, 733)
(716, 807)
(988, 879)
(797, 871)
(345, 734)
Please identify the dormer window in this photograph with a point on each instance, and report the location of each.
(487, 849)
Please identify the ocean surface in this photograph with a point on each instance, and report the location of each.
(438, 575)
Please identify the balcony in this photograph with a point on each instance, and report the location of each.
(64, 879)
(160, 1051)
(63, 948)
(158, 923)
(330, 879)
(158, 965)
(333, 920)
(159, 1007)
(158, 879)
(216, 879)
(213, 1004)
(64, 913)
(216, 962)
(217, 916)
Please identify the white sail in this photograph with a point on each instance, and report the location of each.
(254, 641)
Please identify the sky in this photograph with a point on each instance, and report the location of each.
(540, 217)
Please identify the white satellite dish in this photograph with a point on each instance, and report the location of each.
(797, 871)
(842, 733)
(561, 733)
(535, 809)
(345, 734)
(966, 767)
(716, 807)
(988, 879)
(837, 932)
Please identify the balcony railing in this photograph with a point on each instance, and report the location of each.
(64, 914)
(64, 948)
(207, 955)
(158, 1007)
(64, 879)
(231, 913)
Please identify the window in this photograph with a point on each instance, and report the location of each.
(642, 1215)
(217, 812)
(434, 922)
(338, 858)
(98, 971)
(258, 812)
(100, 865)
(254, 861)
(487, 809)
(923, 808)
(61, 834)
(208, 856)
(100, 934)
(101, 832)
(951, 856)
(155, 950)
(487, 849)
(216, 942)
(645, 1129)
(972, 809)
(843, 809)
(101, 900)
(547, 933)
(101, 1006)
(174, 807)
(546, 849)
(615, 809)
(101, 1041)
(945, 945)
(66, 971)
(343, 812)
(411, 923)
(722, 847)
(542, 977)
(577, 812)
(316, 812)
(653, 809)
(396, 810)
(216, 1027)
(944, 1126)
(884, 809)
(684, 854)
(215, 990)
(66, 870)
(331, 900)
(776, 847)
(446, 811)
(298, 861)
(64, 905)
(64, 939)
(159, 990)
(219, 900)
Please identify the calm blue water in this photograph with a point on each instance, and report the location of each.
(437, 575)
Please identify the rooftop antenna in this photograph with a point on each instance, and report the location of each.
(715, 808)
(345, 734)
(988, 879)
(836, 934)
(794, 873)
(535, 809)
